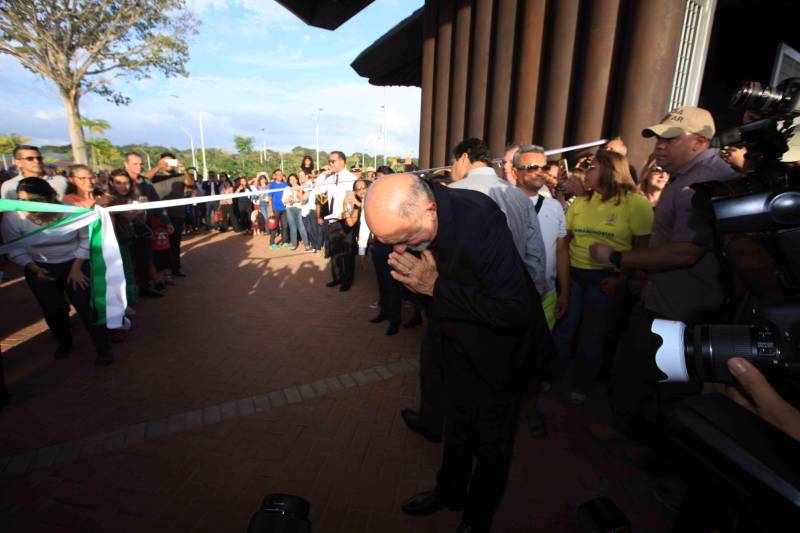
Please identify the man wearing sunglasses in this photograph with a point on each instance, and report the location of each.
(28, 160)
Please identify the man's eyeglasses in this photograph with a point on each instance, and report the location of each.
(360, 188)
(531, 168)
(33, 158)
(332, 161)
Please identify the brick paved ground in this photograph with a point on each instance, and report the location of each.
(248, 378)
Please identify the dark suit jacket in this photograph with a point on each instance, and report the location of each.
(484, 303)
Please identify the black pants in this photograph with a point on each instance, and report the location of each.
(52, 296)
(312, 230)
(175, 245)
(325, 237)
(484, 431)
(283, 227)
(228, 218)
(431, 381)
(142, 256)
(343, 260)
(244, 215)
(390, 290)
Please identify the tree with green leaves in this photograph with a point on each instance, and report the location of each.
(244, 145)
(10, 141)
(97, 127)
(82, 46)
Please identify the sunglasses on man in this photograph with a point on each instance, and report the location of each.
(531, 168)
(33, 158)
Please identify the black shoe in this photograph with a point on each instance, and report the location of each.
(178, 274)
(466, 527)
(394, 327)
(411, 418)
(149, 293)
(63, 351)
(104, 359)
(379, 318)
(426, 503)
(333, 283)
(345, 287)
(415, 320)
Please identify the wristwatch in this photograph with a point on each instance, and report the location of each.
(616, 258)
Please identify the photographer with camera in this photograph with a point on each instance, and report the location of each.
(683, 272)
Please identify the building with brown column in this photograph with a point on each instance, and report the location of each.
(563, 72)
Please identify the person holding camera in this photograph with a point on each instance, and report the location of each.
(683, 274)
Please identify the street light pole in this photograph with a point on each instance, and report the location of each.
(194, 157)
(203, 147)
(319, 109)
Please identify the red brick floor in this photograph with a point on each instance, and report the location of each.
(251, 377)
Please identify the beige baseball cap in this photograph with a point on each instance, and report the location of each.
(683, 120)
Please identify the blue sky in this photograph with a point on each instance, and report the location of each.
(253, 65)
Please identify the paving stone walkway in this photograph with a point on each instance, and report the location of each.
(251, 377)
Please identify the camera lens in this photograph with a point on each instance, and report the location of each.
(702, 353)
(755, 96)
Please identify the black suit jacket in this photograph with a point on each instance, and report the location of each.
(484, 303)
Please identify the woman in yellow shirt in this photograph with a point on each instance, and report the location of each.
(615, 213)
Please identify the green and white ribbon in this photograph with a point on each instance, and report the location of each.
(107, 275)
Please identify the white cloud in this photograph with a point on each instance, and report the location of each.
(201, 7)
(53, 114)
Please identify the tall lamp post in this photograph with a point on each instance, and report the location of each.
(194, 157)
(319, 110)
(203, 147)
(264, 147)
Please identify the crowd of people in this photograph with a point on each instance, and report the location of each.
(557, 273)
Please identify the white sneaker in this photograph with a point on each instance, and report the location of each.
(374, 305)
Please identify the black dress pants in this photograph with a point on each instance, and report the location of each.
(343, 260)
(431, 381)
(52, 296)
(390, 290)
(228, 218)
(175, 245)
(479, 427)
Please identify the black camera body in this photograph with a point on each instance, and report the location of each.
(756, 220)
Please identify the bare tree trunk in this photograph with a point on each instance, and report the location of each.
(74, 126)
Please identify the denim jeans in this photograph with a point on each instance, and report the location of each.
(264, 207)
(295, 225)
(210, 207)
(589, 317)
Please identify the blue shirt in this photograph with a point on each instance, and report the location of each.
(277, 197)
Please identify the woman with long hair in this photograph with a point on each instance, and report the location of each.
(654, 179)
(307, 165)
(615, 213)
(244, 204)
(293, 200)
(122, 191)
(226, 205)
(57, 270)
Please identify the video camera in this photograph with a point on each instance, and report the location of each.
(756, 219)
(731, 454)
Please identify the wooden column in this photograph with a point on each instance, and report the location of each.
(592, 100)
(479, 72)
(528, 63)
(648, 71)
(552, 125)
(441, 99)
(428, 66)
(458, 97)
(502, 69)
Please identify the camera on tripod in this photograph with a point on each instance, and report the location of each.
(763, 205)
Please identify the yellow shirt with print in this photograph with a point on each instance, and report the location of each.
(591, 220)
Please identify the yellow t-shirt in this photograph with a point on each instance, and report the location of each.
(591, 220)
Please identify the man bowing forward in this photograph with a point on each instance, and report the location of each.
(454, 247)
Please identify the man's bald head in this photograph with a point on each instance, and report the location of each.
(400, 210)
